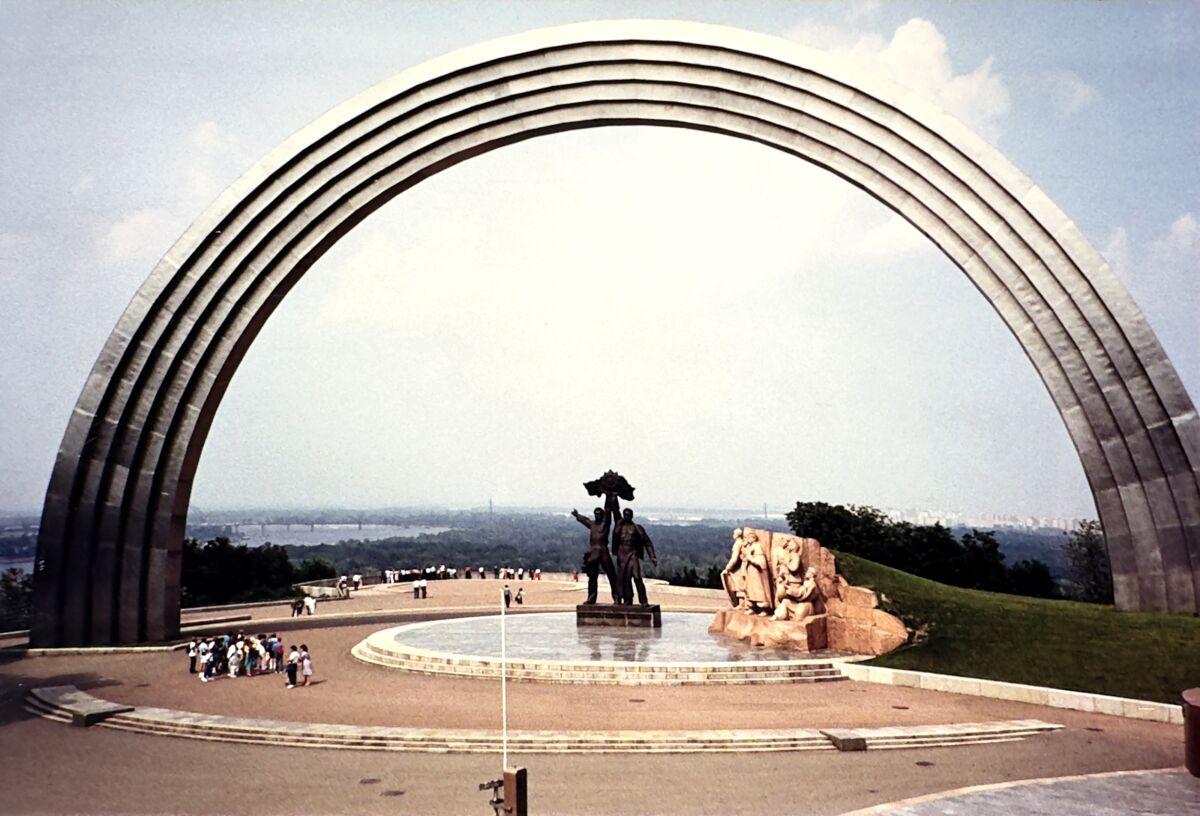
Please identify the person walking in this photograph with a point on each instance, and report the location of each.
(507, 596)
(306, 665)
(520, 596)
(192, 653)
(293, 664)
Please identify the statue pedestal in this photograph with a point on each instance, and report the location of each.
(633, 615)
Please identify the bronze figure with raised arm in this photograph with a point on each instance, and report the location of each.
(631, 544)
(597, 558)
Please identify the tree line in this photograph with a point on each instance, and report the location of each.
(972, 561)
(221, 572)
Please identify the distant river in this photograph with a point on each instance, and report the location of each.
(255, 535)
(25, 564)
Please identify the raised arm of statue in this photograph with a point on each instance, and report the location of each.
(612, 511)
(581, 519)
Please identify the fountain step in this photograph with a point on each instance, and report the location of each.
(606, 673)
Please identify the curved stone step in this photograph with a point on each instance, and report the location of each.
(56, 703)
(927, 736)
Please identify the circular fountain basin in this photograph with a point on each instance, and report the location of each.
(549, 647)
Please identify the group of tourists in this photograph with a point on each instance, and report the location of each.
(507, 573)
(442, 573)
(438, 573)
(240, 655)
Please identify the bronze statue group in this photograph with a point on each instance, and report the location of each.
(629, 542)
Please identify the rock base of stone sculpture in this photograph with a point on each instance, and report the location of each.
(805, 635)
(633, 615)
(844, 618)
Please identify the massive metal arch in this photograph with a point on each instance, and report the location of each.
(108, 554)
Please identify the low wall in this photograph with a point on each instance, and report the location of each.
(1019, 692)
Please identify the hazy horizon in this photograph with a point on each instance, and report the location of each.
(724, 324)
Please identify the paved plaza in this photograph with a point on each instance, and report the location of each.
(100, 769)
(1115, 794)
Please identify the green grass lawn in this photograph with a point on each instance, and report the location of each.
(1060, 644)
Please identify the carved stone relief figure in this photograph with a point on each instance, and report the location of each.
(759, 596)
(796, 596)
(733, 577)
(786, 594)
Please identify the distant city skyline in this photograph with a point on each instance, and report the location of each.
(202, 516)
(783, 336)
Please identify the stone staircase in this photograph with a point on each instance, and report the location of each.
(65, 703)
(49, 703)
(396, 656)
(935, 736)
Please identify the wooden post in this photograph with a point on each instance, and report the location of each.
(1191, 732)
(516, 796)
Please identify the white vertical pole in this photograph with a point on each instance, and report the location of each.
(503, 679)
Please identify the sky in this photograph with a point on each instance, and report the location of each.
(725, 325)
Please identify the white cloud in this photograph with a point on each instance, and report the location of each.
(212, 160)
(1163, 276)
(917, 56)
(1116, 251)
(1167, 263)
(833, 36)
(85, 184)
(1179, 250)
(217, 159)
(861, 11)
(141, 237)
(1068, 92)
(210, 138)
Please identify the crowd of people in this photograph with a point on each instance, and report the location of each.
(236, 655)
(507, 573)
(442, 572)
(239, 655)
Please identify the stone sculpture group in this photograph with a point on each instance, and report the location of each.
(785, 593)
